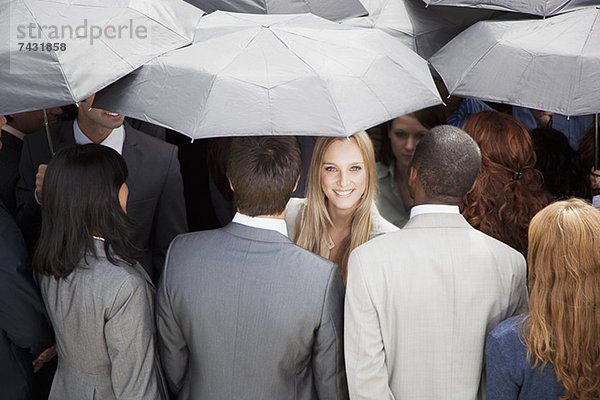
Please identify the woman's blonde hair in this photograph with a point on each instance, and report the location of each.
(315, 221)
(563, 325)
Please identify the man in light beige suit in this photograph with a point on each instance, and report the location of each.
(421, 301)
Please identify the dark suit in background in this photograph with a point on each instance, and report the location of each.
(9, 169)
(244, 313)
(155, 189)
(24, 329)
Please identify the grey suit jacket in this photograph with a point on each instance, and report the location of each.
(103, 319)
(243, 313)
(155, 201)
(419, 305)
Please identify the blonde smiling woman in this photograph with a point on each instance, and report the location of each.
(338, 213)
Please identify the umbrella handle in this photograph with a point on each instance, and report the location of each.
(47, 128)
(596, 141)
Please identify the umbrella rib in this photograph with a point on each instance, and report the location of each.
(203, 112)
(161, 24)
(579, 61)
(337, 112)
(62, 72)
(473, 64)
(373, 92)
(268, 92)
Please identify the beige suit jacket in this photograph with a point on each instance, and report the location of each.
(419, 305)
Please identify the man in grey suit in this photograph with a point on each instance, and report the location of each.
(156, 201)
(421, 301)
(244, 313)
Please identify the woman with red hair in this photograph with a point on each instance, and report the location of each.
(508, 190)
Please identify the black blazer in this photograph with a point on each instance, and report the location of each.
(24, 328)
(155, 203)
(9, 169)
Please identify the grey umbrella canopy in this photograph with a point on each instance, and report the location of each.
(536, 7)
(333, 10)
(550, 64)
(57, 52)
(276, 75)
(423, 29)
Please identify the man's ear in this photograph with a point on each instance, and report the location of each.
(296, 185)
(413, 179)
(231, 185)
(412, 176)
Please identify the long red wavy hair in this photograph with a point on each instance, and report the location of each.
(508, 190)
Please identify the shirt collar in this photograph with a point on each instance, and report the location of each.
(114, 140)
(433, 209)
(13, 131)
(272, 224)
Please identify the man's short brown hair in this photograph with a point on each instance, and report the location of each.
(263, 171)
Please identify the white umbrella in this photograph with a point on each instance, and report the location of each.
(537, 7)
(550, 64)
(423, 29)
(333, 10)
(57, 52)
(276, 74)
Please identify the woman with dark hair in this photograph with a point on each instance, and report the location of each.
(400, 137)
(99, 299)
(508, 190)
(586, 155)
(564, 175)
(554, 351)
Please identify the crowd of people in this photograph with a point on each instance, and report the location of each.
(420, 260)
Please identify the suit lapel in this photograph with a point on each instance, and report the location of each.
(64, 136)
(131, 154)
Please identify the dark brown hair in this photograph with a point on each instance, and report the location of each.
(387, 156)
(81, 199)
(564, 175)
(508, 190)
(263, 171)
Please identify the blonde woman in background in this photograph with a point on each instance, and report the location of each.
(553, 351)
(338, 213)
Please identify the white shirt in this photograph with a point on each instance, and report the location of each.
(433, 209)
(272, 224)
(114, 140)
(13, 131)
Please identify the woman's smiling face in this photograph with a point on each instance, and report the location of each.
(343, 175)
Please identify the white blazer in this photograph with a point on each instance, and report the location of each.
(419, 305)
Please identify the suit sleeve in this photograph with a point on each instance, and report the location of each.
(28, 212)
(519, 299)
(328, 348)
(170, 218)
(129, 334)
(171, 342)
(364, 350)
(500, 380)
(22, 312)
